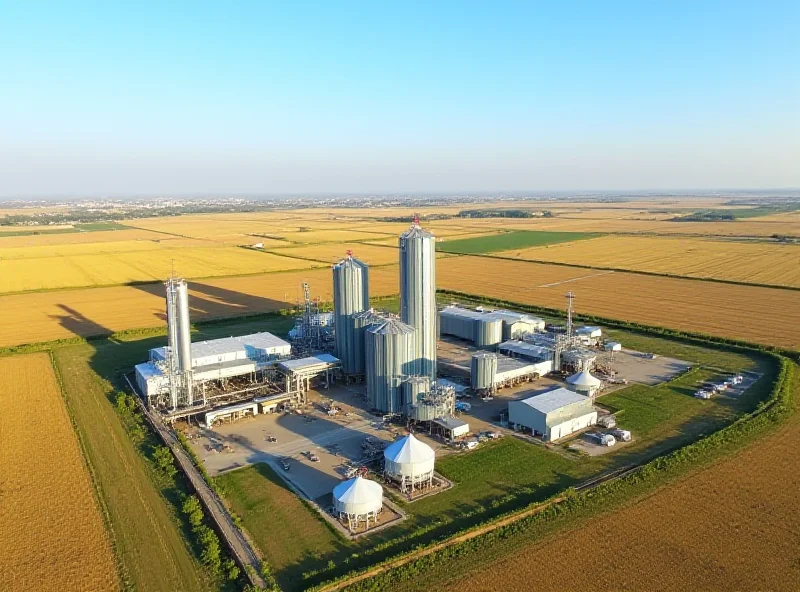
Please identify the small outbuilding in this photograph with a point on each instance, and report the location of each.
(554, 414)
(451, 427)
(613, 346)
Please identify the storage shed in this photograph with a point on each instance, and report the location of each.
(553, 414)
(451, 427)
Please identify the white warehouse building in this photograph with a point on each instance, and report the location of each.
(554, 414)
(214, 360)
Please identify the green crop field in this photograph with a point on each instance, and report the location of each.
(283, 527)
(147, 538)
(87, 227)
(518, 239)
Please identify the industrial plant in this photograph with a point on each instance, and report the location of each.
(408, 369)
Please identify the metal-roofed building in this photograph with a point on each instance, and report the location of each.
(486, 328)
(299, 372)
(216, 359)
(553, 414)
(258, 347)
(526, 350)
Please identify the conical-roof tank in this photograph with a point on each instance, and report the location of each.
(350, 296)
(409, 462)
(358, 498)
(418, 294)
(389, 348)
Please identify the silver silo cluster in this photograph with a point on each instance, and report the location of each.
(350, 297)
(483, 370)
(418, 295)
(390, 352)
(180, 342)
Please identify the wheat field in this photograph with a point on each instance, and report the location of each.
(51, 532)
(45, 316)
(752, 313)
(752, 262)
(142, 264)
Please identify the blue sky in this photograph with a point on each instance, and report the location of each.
(300, 97)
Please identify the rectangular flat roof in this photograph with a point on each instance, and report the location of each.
(450, 423)
(528, 349)
(554, 399)
(225, 345)
(506, 364)
(301, 364)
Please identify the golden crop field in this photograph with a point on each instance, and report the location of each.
(761, 315)
(746, 227)
(45, 316)
(753, 262)
(333, 253)
(51, 531)
(111, 268)
(733, 526)
(101, 236)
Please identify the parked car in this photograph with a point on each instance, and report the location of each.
(621, 435)
(285, 464)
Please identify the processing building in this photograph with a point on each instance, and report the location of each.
(552, 415)
(487, 328)
(418, 295)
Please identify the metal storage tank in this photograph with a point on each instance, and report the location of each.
(483, 370)
(418, 294)
(350, 296)
(179, 336)
(389, 348)
(423, 403)
(488, 332)
(459, 322)
(409, 462)
(414, 387)
(358, 500)
(361, 322)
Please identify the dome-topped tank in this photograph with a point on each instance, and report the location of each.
(584, 382)
(350, 297)
(358, 500)
(410, 462)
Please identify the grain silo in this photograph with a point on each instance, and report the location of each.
(488, 331)
(409, 462)
(389, 348)
(358, 500)
(483, 370)
(418, 294)
(350, 297)
(179, 335)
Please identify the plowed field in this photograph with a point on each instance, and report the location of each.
(753, 262)
(51, 531)
(762, 315)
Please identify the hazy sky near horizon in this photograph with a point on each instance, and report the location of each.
(113, 98)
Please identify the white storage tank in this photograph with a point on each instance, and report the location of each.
(483, 370)
(584, 383)
(358, 500)
(409, 462)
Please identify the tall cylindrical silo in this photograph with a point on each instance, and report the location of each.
(418, 295)
(389, 350)
(361, 322)
(350, 296)
(483, 370)
(488, 332)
